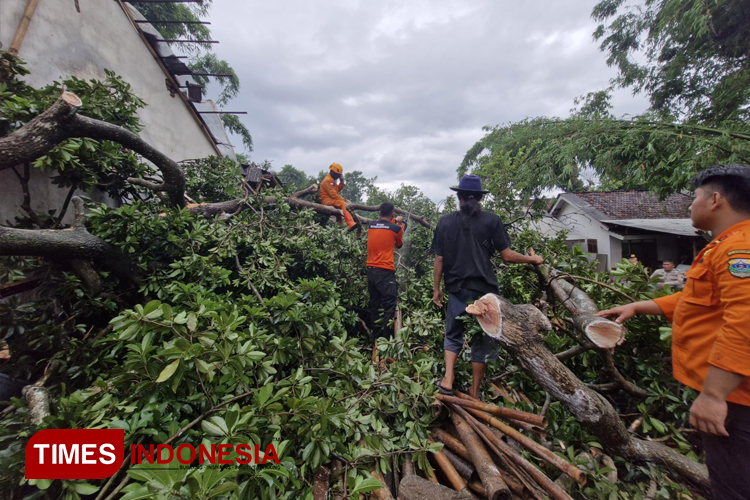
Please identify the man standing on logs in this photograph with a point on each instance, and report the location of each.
(329, 193)
(710, 329)
(463, 243)
(383, 236)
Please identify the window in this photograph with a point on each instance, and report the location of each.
(592, 246)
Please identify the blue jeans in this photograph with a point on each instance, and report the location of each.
(481, 345)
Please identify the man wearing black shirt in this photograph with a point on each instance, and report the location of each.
(463, 243)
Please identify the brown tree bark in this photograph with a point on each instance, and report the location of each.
(416, 488)
(74, 244)
(494, 486)
(61, 122)
(602, 332)
(521, 338)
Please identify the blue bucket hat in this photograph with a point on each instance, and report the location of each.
(470, 183)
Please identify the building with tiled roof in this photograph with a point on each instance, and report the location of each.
(612, 225)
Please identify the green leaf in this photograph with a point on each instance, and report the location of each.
(86, 488)
(167, 372)
(366, 486)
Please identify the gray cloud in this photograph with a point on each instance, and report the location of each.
(401, 90)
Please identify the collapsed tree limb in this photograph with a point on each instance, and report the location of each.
(62, 121)
(602, 332)
(520, 336)
(75, 243)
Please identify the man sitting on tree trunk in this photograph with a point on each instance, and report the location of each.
(329, 194)
(710, 332)
(463, 243)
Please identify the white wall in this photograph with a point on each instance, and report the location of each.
(61, 42)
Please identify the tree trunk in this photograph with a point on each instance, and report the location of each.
(521, 338)
(602, 332)
(416, 488)
(494, 486)
(61, 122)
(74, 244)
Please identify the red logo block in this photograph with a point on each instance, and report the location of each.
(74, 453)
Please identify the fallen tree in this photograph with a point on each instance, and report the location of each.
(519, 333)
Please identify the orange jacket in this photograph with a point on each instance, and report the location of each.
(711, 316)
(382, 237)
(329, 190)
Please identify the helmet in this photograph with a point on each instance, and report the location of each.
(336, 167)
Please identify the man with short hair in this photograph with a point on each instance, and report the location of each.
(463, 243)
(383, 236)
(329, 193)
(669, 275)
(710, 327)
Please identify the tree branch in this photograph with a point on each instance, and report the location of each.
(61, 122)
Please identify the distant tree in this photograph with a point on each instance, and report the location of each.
(357, 185)
(295, 178)
(689, 56)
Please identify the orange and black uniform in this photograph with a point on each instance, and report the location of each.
(382, 237)
(711, 327)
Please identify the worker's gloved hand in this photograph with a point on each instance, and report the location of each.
(399, 219)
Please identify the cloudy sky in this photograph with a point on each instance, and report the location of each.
(401, 90)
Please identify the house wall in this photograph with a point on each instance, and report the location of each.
(61, 42)
(581, 225)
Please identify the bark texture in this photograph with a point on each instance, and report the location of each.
(521, 338)
(602, 332)
(75, 244)
(61, 122)
(416, 488)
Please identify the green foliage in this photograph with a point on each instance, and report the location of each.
(695, 55)
(212, 179)
(80, 163)
(250, 328)
(526, 158)
(295, 179)
(233, 124)
(201, 60)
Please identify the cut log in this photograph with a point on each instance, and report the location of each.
(321, 479)
(408, 468)
(602, 332)
(561, 464)
(416, 488)
(488, 313)
(521, 338)
(494, 486)
(382, 493)
(464, 468)
(451, 443)
(445, 465)
(494, 410)
(502, 448)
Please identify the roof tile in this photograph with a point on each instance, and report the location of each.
(638, 204)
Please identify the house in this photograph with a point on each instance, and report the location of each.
(83, 39)
(612, 225)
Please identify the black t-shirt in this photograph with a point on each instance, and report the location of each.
(466, 245)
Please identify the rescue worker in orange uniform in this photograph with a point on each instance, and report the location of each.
(383, 236)
(711, 327)
(329, 193)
